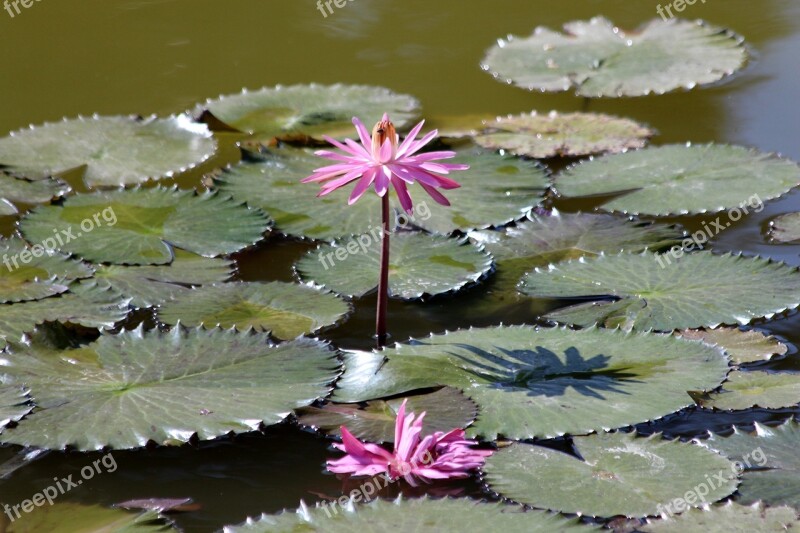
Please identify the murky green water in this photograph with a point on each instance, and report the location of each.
(64, 58)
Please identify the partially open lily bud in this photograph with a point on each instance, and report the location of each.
(384, 130)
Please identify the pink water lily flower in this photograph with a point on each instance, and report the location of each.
(437, 456)
(381, 160)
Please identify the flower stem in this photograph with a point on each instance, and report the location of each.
(383, 282)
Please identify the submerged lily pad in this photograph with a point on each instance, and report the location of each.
(152, 285)
(85, 304)
(531, 382)
(785, 228)
(683, 179)
(744, 390)
(494, 191)
(467, 516)
(313, 110)
(726, 518)
(696, 290)
(141, 226)
(620, 474)
(770, 459)
(595, 58)
(743, 346)
(420, 265)
(14, 403)
(68, 517)
(445, 409)
(285, 309)
(115, 150)
(564, 135)
(30, 192)
(33, 273)
(127, 389)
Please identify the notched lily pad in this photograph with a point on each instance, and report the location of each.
(646, 291)
(14, 403)
(743, 346)
(314, 110)
(530, 382)
(124, 390)
(424, 514)
(115, 150)
(67, 517)
(284, 309)
(770, 460)
(597, 59)
(445, 409)
(620, 474)
(420, 265)
(785, 228)
(141, 226)
(563, 135)
(683, 179)
(29, 192)
(744, 390)
(725, 518)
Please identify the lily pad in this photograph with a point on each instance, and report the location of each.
(683, 179)
(744, 390)
(313, 110)
(85, 304)
(743, 346)
(24, 276)
(727, 518)
(285, 309)
(127, 389)
(424, 514)
(495, 190)
(563, 135)
(595, 58)
(620, 474)
(14, 403)
(67, 517)
(141, 226)
(770, 459)
(785, 228)
(696, 290)
(30, 192)
(420, 265)
(114, 150)
(530, 382)
(445, 409)
(152, 285)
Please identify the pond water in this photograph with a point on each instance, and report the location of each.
(163, 56)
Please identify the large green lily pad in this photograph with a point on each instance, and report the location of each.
(30, 192)
(68, 517)
(445, 409)
(313, 110)
(152, 285)
(563, 135)
(595, 58)
(743, 346)
(620, 474)
(463, 515)
(24, 276)
(729, 517)
(682, 179)
(770, 459)
(744, 390)
(141, 226)
(285, 309)
(696, 290)
(127, 389)
(114, 150)
(494, 191)
(85, 304)
(530, 382)
(420, 265)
